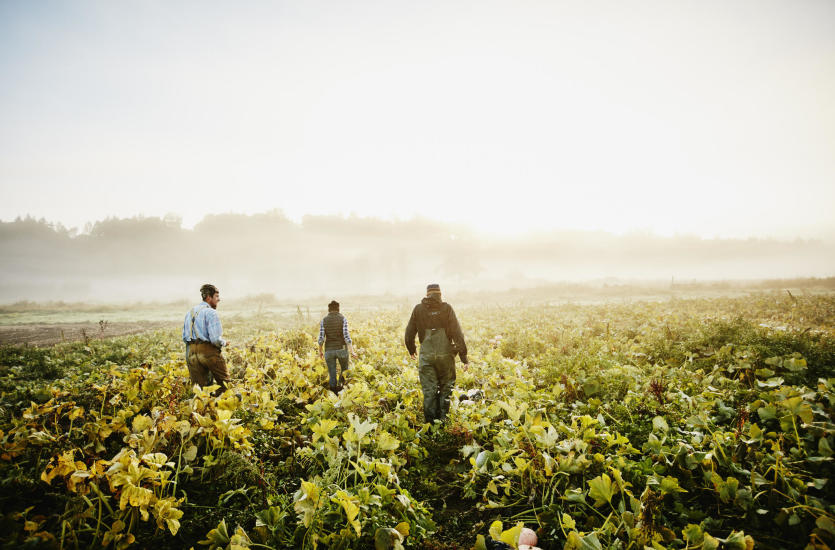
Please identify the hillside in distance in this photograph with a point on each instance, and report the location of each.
(147, 258)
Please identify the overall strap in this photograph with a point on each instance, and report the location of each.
(194, 313)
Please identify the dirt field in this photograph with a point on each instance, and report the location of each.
(38, 334)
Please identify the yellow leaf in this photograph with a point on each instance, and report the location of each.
(183, 427)
(511, 536)
(173, 525)
(496, 530)
(64, 465)
(30, 526)
(78, 477)
(387, 442)
(307, 501)
(351, 510)
(167, 514)
(323, 428)
(191, 453)
(403, 528)
(568, 521)
(202, 420)
(141, 422)
(157, 459)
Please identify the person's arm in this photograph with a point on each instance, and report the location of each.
(215, 329)
(411, 331)
(321, 336)
(186, 327)
(185, 334)
(347, 336)
(457, 336)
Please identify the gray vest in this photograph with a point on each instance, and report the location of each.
(334, 339)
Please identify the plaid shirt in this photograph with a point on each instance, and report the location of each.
(344, 332)
(207, 325)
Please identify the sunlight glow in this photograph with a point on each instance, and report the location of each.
(704, 118)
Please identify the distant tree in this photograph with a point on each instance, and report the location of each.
(173, 220)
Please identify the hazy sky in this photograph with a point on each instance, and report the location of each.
(715, 118)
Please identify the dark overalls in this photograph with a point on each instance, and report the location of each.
(436, 367)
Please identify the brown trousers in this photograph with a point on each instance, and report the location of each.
(204, 358)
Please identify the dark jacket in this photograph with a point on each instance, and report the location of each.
(430, 313)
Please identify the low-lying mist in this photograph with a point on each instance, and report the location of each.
(157, 259)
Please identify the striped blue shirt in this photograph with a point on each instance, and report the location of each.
(344, 332)
(207, 325)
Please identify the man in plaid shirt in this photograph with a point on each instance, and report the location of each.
(334, 335)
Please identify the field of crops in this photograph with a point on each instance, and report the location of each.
(701, 423)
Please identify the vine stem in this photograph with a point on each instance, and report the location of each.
(796, 435)
(98, 520)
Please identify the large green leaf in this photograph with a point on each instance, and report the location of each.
(798, 407)
(669, 485)
(660, 424)
(601, 489)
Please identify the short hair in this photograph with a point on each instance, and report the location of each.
(208, 290)
(333, 306)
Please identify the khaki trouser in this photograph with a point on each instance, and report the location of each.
(205, 358)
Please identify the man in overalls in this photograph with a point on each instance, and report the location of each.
(334, 336)
(437, 328)
(203, 335)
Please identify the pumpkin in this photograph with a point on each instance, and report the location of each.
(527, 536)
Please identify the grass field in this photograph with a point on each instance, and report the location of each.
(684, 423)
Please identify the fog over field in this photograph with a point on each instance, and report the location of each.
(157, 259)
(628, 204)
(370, 148)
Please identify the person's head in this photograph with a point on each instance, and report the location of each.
(433, 291)
(333, 306)
(210, 294)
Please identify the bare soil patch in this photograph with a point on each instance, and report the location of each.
(38, 334)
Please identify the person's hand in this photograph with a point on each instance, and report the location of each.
(465, 366)
(228, 343)
(414, 355)
(321, 355)
(354, 354)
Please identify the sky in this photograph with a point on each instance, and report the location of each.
(706, 118)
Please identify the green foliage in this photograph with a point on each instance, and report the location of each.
(686, 424)
(29, 363)
(297, 342)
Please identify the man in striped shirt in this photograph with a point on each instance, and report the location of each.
(334, 335)
(203, 336)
